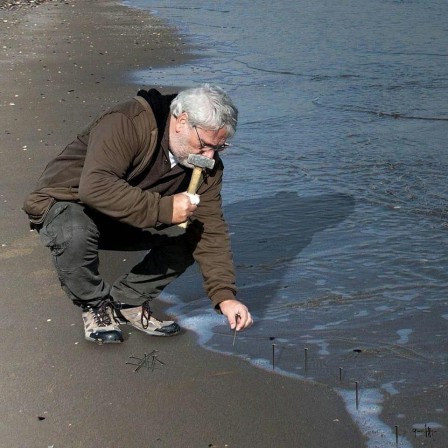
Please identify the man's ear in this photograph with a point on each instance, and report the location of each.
(181, 121)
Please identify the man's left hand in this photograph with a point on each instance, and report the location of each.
(233, 308)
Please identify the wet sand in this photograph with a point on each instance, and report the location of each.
(63, 62)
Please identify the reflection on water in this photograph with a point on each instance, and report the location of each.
(343, 107)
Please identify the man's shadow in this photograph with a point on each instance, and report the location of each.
(267, 234)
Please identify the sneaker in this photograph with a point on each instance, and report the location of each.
(141, 318)
(100, 326)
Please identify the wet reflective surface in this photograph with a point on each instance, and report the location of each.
(336, 194)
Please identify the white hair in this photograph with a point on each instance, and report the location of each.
(207, 107)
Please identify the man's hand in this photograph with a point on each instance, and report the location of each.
(233, 308)
(183, 208)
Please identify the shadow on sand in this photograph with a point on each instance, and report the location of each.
(267, 234)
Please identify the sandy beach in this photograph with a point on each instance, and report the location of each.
(62, 63)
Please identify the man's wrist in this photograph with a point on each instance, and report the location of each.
(222, 296)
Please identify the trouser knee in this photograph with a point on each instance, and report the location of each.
(70, 234)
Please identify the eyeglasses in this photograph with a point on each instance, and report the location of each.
(208, 146)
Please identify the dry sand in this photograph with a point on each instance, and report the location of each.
(61, 63)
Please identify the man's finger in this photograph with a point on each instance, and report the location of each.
(244, 321)
(233, 320)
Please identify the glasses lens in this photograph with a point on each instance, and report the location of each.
(213, 148)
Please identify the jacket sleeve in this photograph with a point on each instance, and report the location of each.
(213, 250)
(111, 153)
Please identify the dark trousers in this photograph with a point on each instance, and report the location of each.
(74, 233)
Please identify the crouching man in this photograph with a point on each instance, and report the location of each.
(122, 180)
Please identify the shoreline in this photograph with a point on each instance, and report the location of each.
(63, 63)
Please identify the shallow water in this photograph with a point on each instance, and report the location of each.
(336, 193)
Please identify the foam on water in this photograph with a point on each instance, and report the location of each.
(404, 335)
(367, 418)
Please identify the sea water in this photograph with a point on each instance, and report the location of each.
(336, 194)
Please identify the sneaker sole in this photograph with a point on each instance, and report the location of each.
(106, 340)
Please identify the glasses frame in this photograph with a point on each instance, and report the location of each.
(203, 146)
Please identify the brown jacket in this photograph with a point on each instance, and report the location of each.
(101, 168)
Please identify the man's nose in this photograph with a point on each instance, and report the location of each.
(209, 153)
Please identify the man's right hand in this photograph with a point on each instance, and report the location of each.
(182, 208)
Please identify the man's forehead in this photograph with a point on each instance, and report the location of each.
(215, 133)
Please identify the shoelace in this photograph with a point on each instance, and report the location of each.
(101, 316)
(146, 314)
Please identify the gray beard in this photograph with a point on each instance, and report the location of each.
(181, 160)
